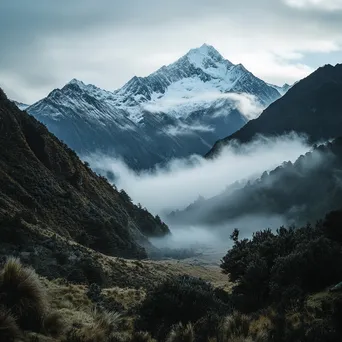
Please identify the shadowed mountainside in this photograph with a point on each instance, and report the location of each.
(299, 192)
(312, 106)
(44, 184)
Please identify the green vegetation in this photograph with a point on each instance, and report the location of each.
(182, 299)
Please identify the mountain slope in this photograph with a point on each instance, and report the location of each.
(20, 105)
(303, 191)
(312, 106)
(43, 184)
(179, 110)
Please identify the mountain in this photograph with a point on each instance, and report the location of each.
(180, 109)
(283, 89)
(46, 191)
(312, 106)
(20, 105)
(298, 192)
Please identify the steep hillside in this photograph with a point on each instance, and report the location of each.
(303, 191)
(179, 110)
(46, 189)
(312, 106)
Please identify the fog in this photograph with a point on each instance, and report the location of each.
(177, 102)
(182, 181)
(185, 129)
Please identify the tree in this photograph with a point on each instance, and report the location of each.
(125, 196)
(235, 235)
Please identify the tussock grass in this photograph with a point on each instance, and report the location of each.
(104, 328)
(9, 330)
(23, 294)
(142, 337)
(181, 333)
(54, 324)
(234, 326)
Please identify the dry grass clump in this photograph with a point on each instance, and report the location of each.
(142, 337)
(104, 328)
(127, 297)
(9, 330)
(181, 333)
(234, 327)
(22, 293)
(54, 324)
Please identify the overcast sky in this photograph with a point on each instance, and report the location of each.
(46, 43)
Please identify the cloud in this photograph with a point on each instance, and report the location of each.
(45, 43)
(247, 104)
(329, 5)
(183, 180)
(185, 129)
(180, 106)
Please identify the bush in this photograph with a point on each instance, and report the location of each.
(290, 263)
(22, 293)
(312, 266)
(9, 330)
(182, 299)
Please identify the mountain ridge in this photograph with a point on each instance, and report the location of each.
(311, 106)
(45, 185)
(179, 110)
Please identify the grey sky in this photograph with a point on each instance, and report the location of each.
(46, 43)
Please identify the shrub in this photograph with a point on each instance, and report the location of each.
(9, 330)
(312, 266)
(284, 266)
(181, 299)
(22, 293)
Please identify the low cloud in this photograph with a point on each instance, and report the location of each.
(247, 104)
(185, 129)
(181, 181)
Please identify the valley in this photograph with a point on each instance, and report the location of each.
(198, 203)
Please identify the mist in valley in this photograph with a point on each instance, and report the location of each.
(183, 181)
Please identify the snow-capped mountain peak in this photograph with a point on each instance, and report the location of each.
(77, 82)
(180, 109)
(199, 56)
(200, 74)
(209, 60)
